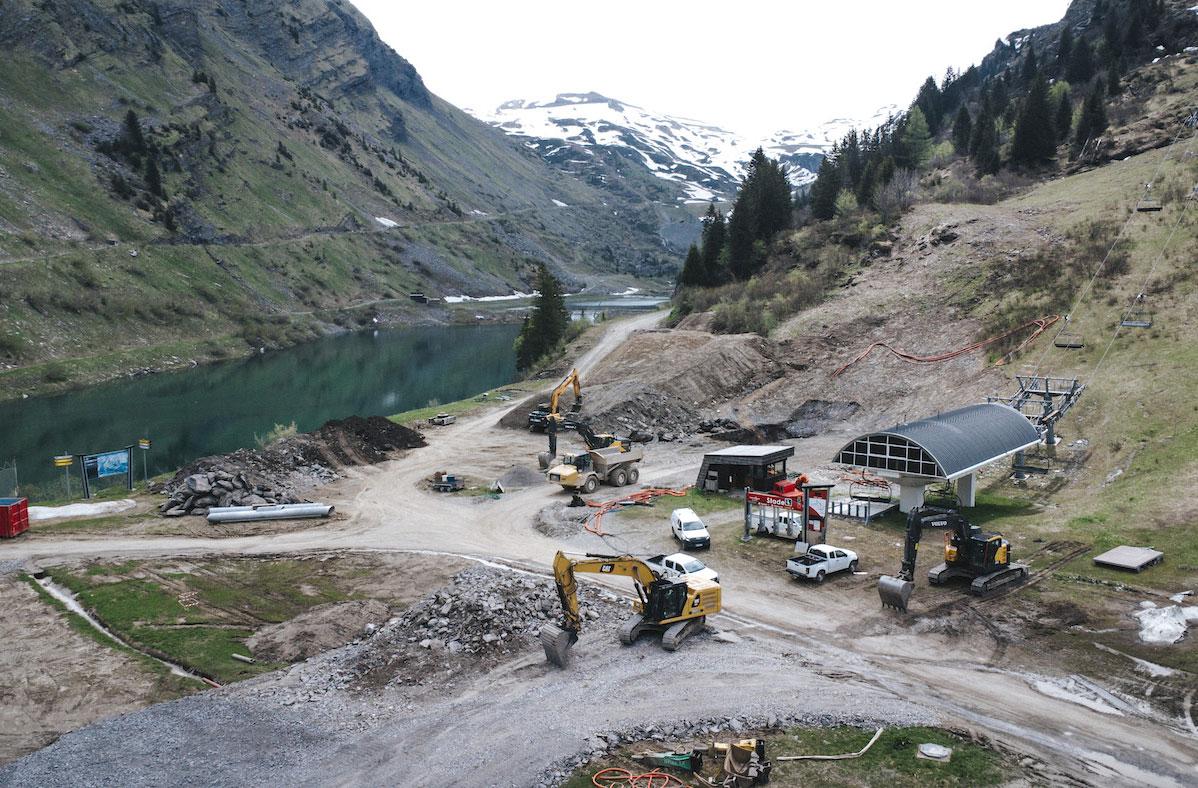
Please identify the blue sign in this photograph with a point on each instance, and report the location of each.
(113, 463)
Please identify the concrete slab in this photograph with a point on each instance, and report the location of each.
(1126, 557)
(856, 509)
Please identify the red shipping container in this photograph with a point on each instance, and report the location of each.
(14, 517)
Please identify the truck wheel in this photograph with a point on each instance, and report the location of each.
(852, 567)
(619, 478)
(633, 475)
(590, 485)
(819, 576)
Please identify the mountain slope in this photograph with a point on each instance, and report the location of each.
(272, 164)
(585, 132)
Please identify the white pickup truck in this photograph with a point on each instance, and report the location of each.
(820, 561)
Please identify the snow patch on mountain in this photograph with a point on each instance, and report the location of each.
(705, 160)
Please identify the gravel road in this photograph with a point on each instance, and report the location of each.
(816, 654)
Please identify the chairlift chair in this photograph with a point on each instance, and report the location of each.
(944, 495)
(1069, 339)
(1149, 204)
(1139, 316)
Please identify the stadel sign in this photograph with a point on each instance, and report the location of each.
(782, 501)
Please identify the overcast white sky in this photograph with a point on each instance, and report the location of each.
(749, 66)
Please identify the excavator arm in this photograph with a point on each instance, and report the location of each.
(895, 591)
(572, 378)
(557, 640)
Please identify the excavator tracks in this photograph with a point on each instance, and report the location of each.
(676, 633)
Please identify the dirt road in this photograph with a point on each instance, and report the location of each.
(805, 652)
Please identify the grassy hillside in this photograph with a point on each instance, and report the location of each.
(244, 153)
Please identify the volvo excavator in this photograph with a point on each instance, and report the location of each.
(547, 411)
(968, 552)
(674, 606)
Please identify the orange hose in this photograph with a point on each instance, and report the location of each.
(625, 777)
(595, 523)
(1041, 323)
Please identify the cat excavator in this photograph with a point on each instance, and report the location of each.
(674, 606)
(547, 411)
(968, 552)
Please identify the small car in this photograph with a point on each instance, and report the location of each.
(681, 564)
(689, 529)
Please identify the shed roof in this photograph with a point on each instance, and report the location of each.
(946, 446)
(750, 455)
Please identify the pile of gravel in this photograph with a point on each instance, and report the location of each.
(284, 471)
(521, 476)
(484, 616)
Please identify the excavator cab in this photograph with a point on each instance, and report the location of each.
(580, 461)
(665, 598)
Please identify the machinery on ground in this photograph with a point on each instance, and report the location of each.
(616, 465)
(675, 606)
(592, 439)
(547, 411)
(968, 552)
(600, 440)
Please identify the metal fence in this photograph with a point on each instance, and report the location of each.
(8, 480)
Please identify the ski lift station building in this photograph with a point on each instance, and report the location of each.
(948, 447)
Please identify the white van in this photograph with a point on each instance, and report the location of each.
(689, 529)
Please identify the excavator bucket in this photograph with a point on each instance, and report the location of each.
(556, 642)
(895, 591)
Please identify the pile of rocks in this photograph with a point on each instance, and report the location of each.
(286, 470)
(485, 614)
(201, 491)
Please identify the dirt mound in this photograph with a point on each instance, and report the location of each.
(484, 616)
(284, 471)
(353, 439)
(322, 628)
(561, 520)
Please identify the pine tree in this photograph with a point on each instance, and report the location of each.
(983, 146)
(692, 273)
(849, 161)
(133, 128)
(712, 245)
(763, 206)
(928, 101)
(1030, 66)
(546, 326)
(825, 189)
(962, 129)
(1064, 50)
(868, 185)
(154, 178)
(1081, 63)
(1092, 120)
(1064, 116)
(916, 139)
(1035, 132)
(1114, 86)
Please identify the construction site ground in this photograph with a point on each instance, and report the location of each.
(1051, 675)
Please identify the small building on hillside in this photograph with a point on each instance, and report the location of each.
(949, 447)
(738, 467)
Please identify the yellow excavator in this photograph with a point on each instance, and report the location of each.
(674, 606)
(547, 411)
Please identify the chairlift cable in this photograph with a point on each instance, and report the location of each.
(1160, 255)
(1085, 290)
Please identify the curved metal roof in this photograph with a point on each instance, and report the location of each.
(945, 446)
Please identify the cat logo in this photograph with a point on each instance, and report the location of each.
(607, 568)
